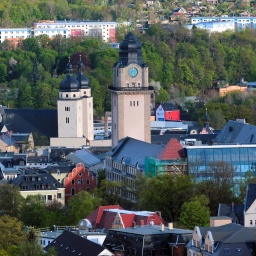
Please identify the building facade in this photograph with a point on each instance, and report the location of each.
(75, 106)
(130, 93)
(105, 31)
(239, 22)
(241, 157)
(79, 179)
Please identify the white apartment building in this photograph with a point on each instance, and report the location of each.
(106, 31)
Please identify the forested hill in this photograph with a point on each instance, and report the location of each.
(22, 13)
(181, 63)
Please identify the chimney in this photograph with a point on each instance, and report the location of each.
(162, 227)
(133, 224)
(170, 225)
(141, 223)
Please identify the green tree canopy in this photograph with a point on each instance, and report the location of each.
(82, 205)
(12, 232)
(10, 200)
(165, 193)
(195, 212)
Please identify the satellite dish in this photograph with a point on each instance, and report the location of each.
(84, 224)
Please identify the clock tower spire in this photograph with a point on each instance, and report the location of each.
(130, 93)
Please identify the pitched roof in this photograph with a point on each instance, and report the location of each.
(236, 212)
(167, 106)
(70, 244)
(133, 151)
(250, 196)
(230, 233)
(42, 121)
(8, 139)
(83, 156)
(107, 216)
(96, 216)
(172, 151)
(237, 133)
(36, 180)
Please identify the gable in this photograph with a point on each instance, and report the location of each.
(252, 208)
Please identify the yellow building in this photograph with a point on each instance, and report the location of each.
(33, 182)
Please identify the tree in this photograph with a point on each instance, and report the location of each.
(12, 232)
(10, 200)
(82, 205)
(108, 191)
(195, 213)
(217, 184)
(217, 119)
(162, 96)
(31, 246)
(34, 212)
(249, 178)
(165, 193)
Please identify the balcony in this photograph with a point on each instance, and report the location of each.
(131, 88)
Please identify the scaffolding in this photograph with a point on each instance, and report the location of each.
(154, 166)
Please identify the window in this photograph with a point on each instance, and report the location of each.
(250, 222)
(49, 197)
(73, 191)
(131, 103)
(67, 120)
(66, 95)
(87, 181)
(239, 250)
(80, 174)
(73, 182)
(79, 182)
(226, 251)
(74, 95)
(137, 103)
(59, 195)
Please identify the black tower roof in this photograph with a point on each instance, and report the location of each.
(130, 50)
(83, 81)
(69, 84)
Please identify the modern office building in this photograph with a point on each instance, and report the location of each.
(241, 157)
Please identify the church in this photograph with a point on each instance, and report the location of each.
(130, 102)
(72, 125)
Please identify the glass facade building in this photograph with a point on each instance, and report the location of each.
(241, 157)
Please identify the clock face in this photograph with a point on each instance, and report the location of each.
(133, 72)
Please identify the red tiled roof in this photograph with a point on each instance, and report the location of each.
(107, 219)
(96, 216)
(128, 219)
(172, 151)
(147, 219)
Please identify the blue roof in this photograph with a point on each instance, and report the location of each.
(85, 157)
(134, 151)
(237, 133)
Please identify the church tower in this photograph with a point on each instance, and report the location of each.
(130, 93)
(75, 106)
